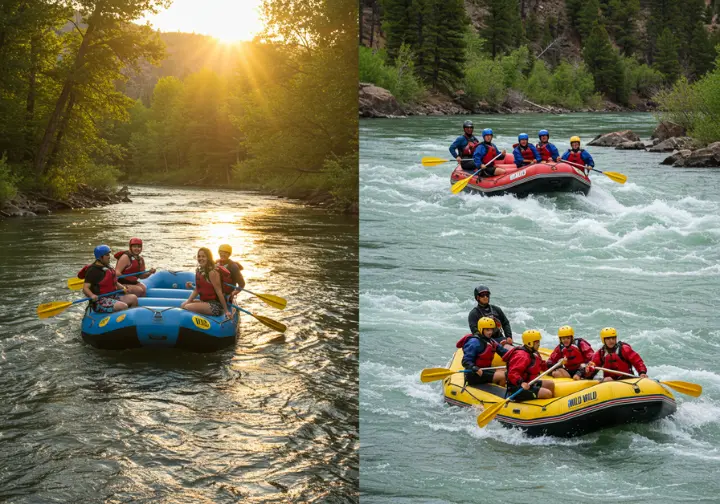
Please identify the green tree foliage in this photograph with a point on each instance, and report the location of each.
(400, 79)
(622, 24)
(666, 57)
(433, 30)
(588, 17)
(502, 27)
(701, 52)
(533, 29)
(605, 64)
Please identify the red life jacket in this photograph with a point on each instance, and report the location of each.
(469, 149)
(543, 151)
(615, 360)
(485, 358)
(576, 157)
(527, 153)
(573, 354)
(205, 288)
(225, 264)
(137, 264)
(531, 364)
(490, 154)
(107, 284)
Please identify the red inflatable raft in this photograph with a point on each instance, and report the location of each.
(540, 178)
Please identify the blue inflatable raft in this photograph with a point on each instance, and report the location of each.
(159, 322)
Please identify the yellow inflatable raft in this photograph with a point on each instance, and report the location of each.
(579, 406)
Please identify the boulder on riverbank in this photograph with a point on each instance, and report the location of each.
(667, 129)
(639, 145)
(31, 204)
(678, 156)
(673, 144)
(614, 139)
(707, 157)
(374, 101)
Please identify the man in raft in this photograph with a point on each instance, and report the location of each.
(524, 364)
(577, 155)
(484, 153)
(576, 351)
(615, 355)
(463, 148)
(485, 309)
(547, 151)
(478, 353)
(100, 278)
(130, 261)
(525, 153)
(235, 268)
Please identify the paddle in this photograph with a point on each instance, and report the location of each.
(486, 416)
(269, 299)
(434, 161)
(438, 373)
(77, 283)
(614, 176)
(461, 184)
(691, 389)
(272, 324)
(46, 310)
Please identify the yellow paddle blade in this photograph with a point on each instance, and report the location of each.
(691, 389)
(434, 161)
(47, 310)
(434, 374)
(272, 324)
(486, 416)
(460, 185)
(617, 177)
(271, 300)
(75, 283)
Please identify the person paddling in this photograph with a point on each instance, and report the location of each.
(235, 268)
(615, 355)
(100, 278)
(577, 155)
(576, 351)
(547, 151)
(524, 364)
(478, 353)
(525, 153)
(484, 155)
(463, 148)
(130, 261)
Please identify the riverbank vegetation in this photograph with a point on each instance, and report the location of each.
(90, 98)
(573, 54)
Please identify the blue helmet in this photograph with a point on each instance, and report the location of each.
(487, 131)
(101, 250)
(523, 136)
(543, 132)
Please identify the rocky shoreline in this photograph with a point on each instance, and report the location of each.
(377, 102)
(31, 204)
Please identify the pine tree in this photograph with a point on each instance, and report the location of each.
(701, 51)
(441, 54)
(533, 30)
(663, 14)
(587, 17)
(397, 24)
(502, 27)
(604, 64)
(666, 56)
(623, 16)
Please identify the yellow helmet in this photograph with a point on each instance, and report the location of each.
(574, 139)
(566, 331)
(607, 332)
(486, 323)
(531, 336)
(225, 248)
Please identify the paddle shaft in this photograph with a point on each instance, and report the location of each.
(486, 164)
(99, 296)
(616, 372)
(581, 166)
(557, 365)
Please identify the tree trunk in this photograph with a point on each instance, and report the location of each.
(63, 125)
(372, 23)
(361, 23)
(30, 102)
(54, 122)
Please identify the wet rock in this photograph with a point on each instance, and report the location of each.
(375, 101)
(668, 129)
(672, 144)
(10, 210)
(631, 146)
(679, 156)
(706, 157)
(614, 139)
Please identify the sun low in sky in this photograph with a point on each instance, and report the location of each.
(226, 20)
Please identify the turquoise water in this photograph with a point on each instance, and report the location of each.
(642, 257)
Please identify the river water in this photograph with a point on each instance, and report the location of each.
(273, 419)
(642, 257)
